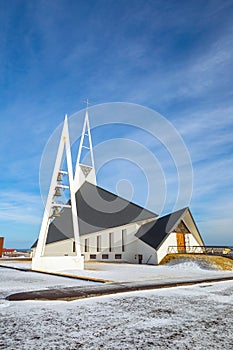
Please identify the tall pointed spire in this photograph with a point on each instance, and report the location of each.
(53, 208)
(85, 166)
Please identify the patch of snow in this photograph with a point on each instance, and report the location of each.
(129, 272)
(17, 264)
(193, 265)
(13, 281)
(196, 317)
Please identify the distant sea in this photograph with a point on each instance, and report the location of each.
(23, 250)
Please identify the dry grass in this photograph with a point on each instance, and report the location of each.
(205, 261)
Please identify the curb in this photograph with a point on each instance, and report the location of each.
(72, 293)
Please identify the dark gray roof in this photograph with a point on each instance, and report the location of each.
(98, 209)
(153, 233)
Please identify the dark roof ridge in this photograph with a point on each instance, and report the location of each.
(179, 211)
(173, 212)
(122, 198)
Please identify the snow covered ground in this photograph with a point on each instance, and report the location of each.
(129, 272)
(13, 281)
(196, 317)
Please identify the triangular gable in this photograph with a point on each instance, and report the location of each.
(181, 227)
(155, 233)
(190, 223)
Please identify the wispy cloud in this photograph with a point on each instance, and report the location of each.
(217, 232)
(20, 207)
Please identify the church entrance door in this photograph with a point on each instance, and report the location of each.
(180, 237)
(140, 257)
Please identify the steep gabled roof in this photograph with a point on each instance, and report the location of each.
(98, 209)
(154, 233)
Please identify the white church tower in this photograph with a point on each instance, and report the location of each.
(40, 261)
(85, 167)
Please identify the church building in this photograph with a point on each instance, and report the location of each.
(97, 225)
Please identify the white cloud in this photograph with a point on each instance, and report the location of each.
(20, 207)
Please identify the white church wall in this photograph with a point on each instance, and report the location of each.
(149, 255)
(171, 241)
(132, 250)
(60, 248)
(192, 242)
(119, 251)
(163, 249)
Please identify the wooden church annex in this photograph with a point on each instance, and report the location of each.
(97, 225)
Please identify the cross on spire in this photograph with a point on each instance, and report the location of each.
(87, 103)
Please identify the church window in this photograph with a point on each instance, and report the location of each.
(86, 245)
(123, 235)
(98, 243)
(110, 241)
(117, 256)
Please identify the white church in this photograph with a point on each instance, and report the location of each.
(97, 225)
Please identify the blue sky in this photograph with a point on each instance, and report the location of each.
(174, 57)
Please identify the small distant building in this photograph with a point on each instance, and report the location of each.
(9, 252)
(1, 245)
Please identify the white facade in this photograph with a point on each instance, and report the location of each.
(114, 245)
(192, 239)
(120, 245)
(171, 241)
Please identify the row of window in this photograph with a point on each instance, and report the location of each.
(105, 256)
(110, 241)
